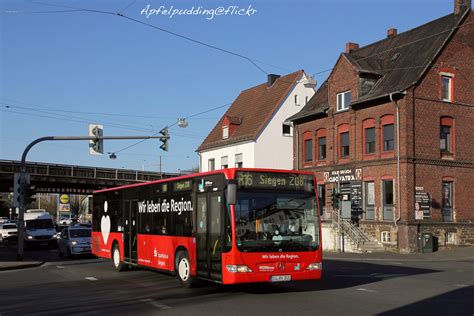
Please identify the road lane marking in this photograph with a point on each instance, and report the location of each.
(156, 304)
(91, 278)
(60, 267)
(366, 290)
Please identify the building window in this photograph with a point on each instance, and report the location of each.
(306, 99)
(321, 198)
(370, 140)
(322, 148)
(296, 99)
(343, 100)
(224, 162)
(450, 238)
(344, 144)
(308, 150)
(225, 132)
(369, 200)
(286, 129)
(447, 203)
(387, 199)
(445, 139)
(320, 144)
(446, 143)
(447, 87)
(388, 138)
(239, 161)
(385, 236)
(211, 165)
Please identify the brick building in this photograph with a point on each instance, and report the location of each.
(397, 186)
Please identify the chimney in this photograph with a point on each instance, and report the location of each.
(271, 79)
(462, 5)
(350, 47)
(391, 32)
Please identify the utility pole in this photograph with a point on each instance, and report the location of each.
(23, 175)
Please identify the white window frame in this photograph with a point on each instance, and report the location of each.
(224, 162)
(225, 132)
(341, 107)
(213, 164)
(449, 76)
(239, 162)
(385, 236)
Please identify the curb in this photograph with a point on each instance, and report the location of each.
(22, 266)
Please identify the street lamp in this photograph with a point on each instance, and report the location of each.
(182, 123)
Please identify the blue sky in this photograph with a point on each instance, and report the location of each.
(61, 71)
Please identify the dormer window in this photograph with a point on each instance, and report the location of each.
(343, 100)
(225, 132)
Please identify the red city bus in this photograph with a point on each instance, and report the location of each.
(227, 226)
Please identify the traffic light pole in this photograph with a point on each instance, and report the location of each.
(22, 202)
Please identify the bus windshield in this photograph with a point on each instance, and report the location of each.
(269, 221)
(39, 224)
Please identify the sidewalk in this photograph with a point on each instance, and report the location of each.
(8, 253)
(450, 254)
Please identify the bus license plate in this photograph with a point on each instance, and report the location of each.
(280, 278)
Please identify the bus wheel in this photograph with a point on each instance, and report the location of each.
(183, 269)
(118, 265)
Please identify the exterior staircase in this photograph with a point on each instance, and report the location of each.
(360, 240)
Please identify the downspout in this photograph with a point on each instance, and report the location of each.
(395, 103)
(296, 131)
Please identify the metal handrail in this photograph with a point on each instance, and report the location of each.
(356, 234)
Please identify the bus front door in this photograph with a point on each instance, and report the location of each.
(130, 231)
(208, 235)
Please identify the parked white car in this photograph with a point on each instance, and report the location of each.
(75, 240)
(8, 230)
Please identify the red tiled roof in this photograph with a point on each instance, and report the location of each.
(254, 107)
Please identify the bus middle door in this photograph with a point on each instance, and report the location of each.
(208, 235)
(130, 231)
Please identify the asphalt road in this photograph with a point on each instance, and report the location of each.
(349, 287)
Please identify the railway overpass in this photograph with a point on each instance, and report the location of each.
(59, 178)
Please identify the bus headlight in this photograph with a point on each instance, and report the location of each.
(315, 266)
(236, 268)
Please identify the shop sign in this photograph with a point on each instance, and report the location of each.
(343, 175)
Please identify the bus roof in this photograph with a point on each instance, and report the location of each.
(229, 173)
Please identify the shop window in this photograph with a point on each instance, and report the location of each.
(369, 200)
(321, 198)
(387, 199)
(447, 201)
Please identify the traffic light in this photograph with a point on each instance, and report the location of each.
(16, 190)
(335, 198)
(29, 190)
(96, 146)
(164, 139)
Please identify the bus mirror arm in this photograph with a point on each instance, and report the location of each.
(232, 192)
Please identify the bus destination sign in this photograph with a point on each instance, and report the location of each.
(267, 180)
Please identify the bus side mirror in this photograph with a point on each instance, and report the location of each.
(232, 193)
